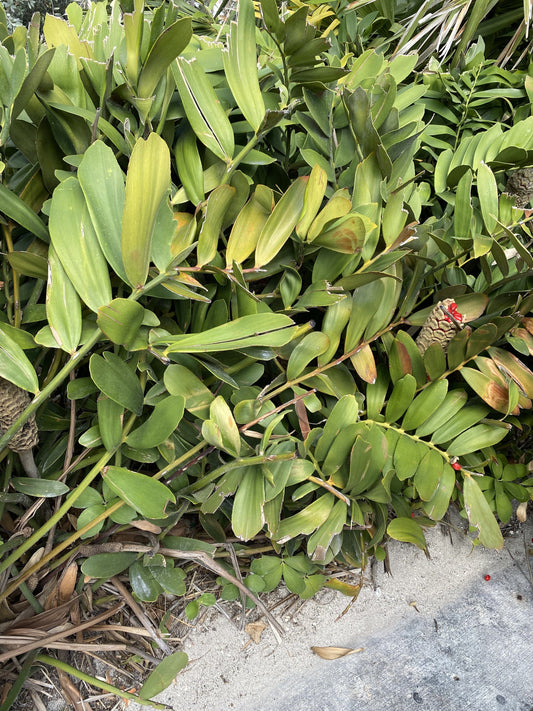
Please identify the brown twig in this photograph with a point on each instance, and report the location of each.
(61, 635)
(139, 612)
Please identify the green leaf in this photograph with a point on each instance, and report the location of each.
(428, 474)
(281, 222)
(31, 82)
(314, 196)
(452, 403)
(221, 429)
(247, 517)
(408, 454)
(146, 495)
(172, 580)
(110, 415)
(169, 44)
(401, 397)
(189, 165)
(87, 516)
(116, 380)
(262, 329)
(147, 183)
(17, 210)
(63, 307)
(488, 196)
(248, 225)
(163, 675)
(106, 565)
(307, 520)
(29, 264)
(463, 206)
(159, 426)
(179, 380)
(143, 583)
(367, 461)
(120, 320)
(76, 245)
(310, 347)
(407, 530)
(425, 405)
(344, 412)
(481, 338)
(240, 65)
(46, 488)
(319, 542)
(15, 365)
(203, 109)
(215, 210)
(478, 437)
(513, 368)
(438, 504)
(466, 417)
(480, 515)
(364, 302)
(102, 183)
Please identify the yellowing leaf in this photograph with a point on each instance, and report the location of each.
(147, 182)
(480, 515)
(281, 222)
(364, 363)
(240, 65)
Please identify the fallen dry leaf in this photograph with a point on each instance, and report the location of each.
(335, 652)
(64, 589)
(255, 630)
(521, 512)
(146, 526)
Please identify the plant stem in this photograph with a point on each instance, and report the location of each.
(92, 681)
(234, 163)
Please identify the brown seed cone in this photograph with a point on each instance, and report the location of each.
(436, 329)
(13, 401)
(520, 186)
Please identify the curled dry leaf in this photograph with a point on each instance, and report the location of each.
(255, 630)
(146, 526)
(335, 652)
(63, 591)
(521, 512)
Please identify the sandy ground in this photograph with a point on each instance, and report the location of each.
(436, 636)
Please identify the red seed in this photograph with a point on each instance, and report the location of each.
(487, 577)
(456, 466)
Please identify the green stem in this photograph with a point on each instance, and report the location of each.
(234, 163)
(92, 681)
